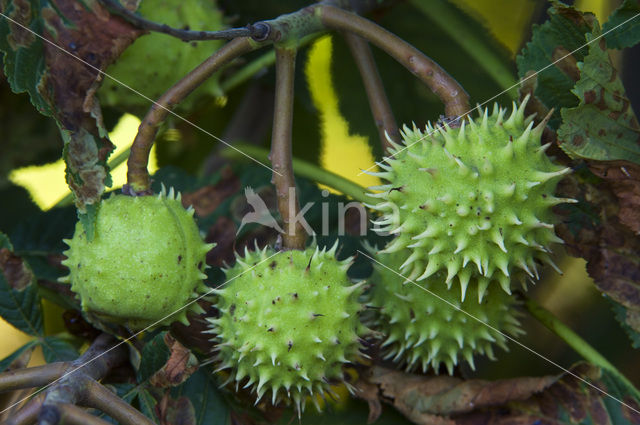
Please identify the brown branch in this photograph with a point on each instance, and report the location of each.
(378, 101)
(32, 377)
(294, 236)
(256, 31)
(99, 397)
(28, 413)
(137, 174)
(455, 99)
(71, 383)
(73, 415)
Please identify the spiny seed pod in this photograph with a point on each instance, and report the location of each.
(425, 323)
(289, 321)
(145, 262)
(474, 200)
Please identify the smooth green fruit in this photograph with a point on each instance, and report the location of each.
(288, 322)
(145, 262)
(155, 61)
(473, 201)
(426, 325)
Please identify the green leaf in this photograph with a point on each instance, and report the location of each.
(6, 362)
(5, 242)
(603, 126)
(563, 33)
(203, 392)
(625, 18)
(21, 308)
(40, 236)
(154, 355)
(88, 220)
(56, 349)
(139, 397)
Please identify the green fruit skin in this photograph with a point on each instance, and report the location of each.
(288, 324)
(425, 324)
(145, 262)
(473, 201)
(155, 61)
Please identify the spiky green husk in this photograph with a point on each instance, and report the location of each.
(426, 325)
(145, 262)
(288, 324)
(473, 201)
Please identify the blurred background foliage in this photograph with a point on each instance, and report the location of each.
(476, 41)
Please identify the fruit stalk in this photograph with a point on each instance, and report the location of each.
(294, 236)
(137, 173)
(74, 382)
(378, 101)
(574, 340)
(454, 97)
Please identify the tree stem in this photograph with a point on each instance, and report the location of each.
(73, 415)
(455, 99)
(137, 174)
(101, 398)
(32, 377)
(294, 236)
(378, 101)
(574, 340)
(28, 413)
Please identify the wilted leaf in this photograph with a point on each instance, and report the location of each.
(592, 230)
(603, 126)
(630, 321)
(19, 305)
(56, 349)
(432, 399)
(623, 179)
(176, 411)
(569, 401)
(563, 33)
(625, 18)
(180, 365)
(62, 86)
(558, 400)
(15, 270)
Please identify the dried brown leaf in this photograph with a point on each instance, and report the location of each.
(176, 411)
(180, 365)
(96, 37)
(15, 270)
(433, 399)
(600, 236)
